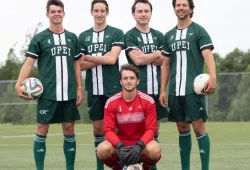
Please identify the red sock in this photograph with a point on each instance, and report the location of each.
(113, 163)
(147, 163)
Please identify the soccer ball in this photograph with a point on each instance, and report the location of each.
(199, 83)
(33, 87)
(133, 167)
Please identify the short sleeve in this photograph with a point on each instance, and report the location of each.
(34, 49)
(166, 51)
(130, 42)
(204, 40)
(82, 44)
(118, 39)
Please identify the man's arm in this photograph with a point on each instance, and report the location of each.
(139, 58)
(109, 58)
(209, 60)
(150, 124)
(158, 62)
(165, 72)
(109, 123)
(24, 73)
(78, 76)
(85, 65)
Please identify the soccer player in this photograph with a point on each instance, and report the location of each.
(186, 48)
(58, 52)
(129, 120)
(143, 49)
(100, 47)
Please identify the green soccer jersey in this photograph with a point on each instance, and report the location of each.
(185, 47)
(56, 54)
(148, 43)
(102, 79)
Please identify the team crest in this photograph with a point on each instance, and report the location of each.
(48, 41)
(172, 37)
(139, 40)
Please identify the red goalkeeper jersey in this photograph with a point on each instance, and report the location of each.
(134, 120)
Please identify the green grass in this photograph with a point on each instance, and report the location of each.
(230, 147)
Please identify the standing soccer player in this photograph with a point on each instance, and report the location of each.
(129, 124)
(100, 47)
(58, 52)
(143, 49)
(186, 48)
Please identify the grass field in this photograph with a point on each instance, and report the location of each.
(230, 147)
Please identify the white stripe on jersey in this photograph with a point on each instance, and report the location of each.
(183, 73)
(147, 38)
(152, 83)
(113, 98)
(181, 65)
(61, 70)
(147, 97)
(62, 39)
(136, 117)
(178, 73)
(65, 78)
(32, 54)
(97, 78)
(206, 45)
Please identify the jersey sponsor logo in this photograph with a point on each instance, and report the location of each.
(130, 109)
(43, 112)
(190, 33)
(201, 109)
(89, 109)
(155, 38)
(107, 36)
(48, 41)
(59, 50)
(69, 40)
(172, 37)
(139, 39)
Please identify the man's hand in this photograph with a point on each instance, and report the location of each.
(134, 155)
(79, 97)
(163, 99)
(122, 152)
(210, 85)
(21, 92)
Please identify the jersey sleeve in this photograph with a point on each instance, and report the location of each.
(34, 49)
(77, 49)
(161, 41)
(150, 123)
(166, 51)
(118, 39)
(109, 123)
(130, 42)
(82, 44)
(204, 40)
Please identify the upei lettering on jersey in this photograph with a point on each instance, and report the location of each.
(150, 48)
(97, 48)
(180, 45)
(60, 50)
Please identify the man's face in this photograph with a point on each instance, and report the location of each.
(142, 13)
(128, 80)
(99, 13)
(55, 14)
(182, 9)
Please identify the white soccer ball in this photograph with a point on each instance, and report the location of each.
(33, 87)
(200, 82)
(133, 167)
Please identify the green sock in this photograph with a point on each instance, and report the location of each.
(98, 140)
(185, 144)
(154, 167)
(204, 148)
(69, 148)
(39, 150)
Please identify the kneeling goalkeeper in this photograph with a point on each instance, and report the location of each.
(129, 126)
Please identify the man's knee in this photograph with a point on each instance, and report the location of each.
(68, 128)
(97, 127)
(183, 126)
(42, 129)
(152, 150)
(105, 150)
(199, 127)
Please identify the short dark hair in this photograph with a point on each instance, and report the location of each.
(54, 2)
(100, 1)
(191, 5)
(130, 67)
(141, 1)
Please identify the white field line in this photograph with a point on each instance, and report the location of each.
(28, 136)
